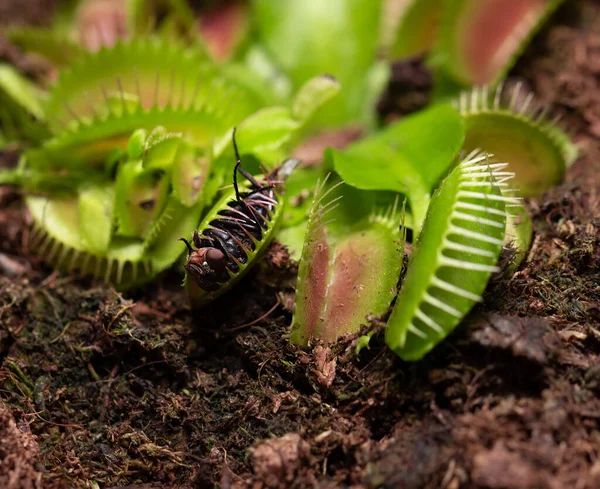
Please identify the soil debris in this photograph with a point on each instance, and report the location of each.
(276, 461)
(135, 391)
(19, 452)
(522, 337)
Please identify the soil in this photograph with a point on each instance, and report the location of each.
(100, 389)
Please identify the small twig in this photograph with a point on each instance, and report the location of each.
(37, 414)
(252, 323)
(119, 314)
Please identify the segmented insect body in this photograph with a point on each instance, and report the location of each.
(235, 232)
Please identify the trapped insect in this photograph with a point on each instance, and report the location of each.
(235, 232)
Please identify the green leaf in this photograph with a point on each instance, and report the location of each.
(312, 95)
(95, 208)
(265, 132)
(339, 37)
(409, 156)
(21, 91)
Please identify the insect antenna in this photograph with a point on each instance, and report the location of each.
(238, 168)
(187, 243)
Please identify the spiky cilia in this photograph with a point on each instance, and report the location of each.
(510, 124)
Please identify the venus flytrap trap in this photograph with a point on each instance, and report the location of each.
(514, 127)
(122, 231)
(348, 269)
(93, 110)
(480, 40)
(453, 258)
(145, 81)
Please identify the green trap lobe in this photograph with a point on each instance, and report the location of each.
(452, 260)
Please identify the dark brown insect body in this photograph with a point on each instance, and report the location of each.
(234, 233)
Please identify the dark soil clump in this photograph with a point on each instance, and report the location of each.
(99, 389)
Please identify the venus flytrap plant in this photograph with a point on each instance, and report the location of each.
(453, 258)
(348, 269)
(144, 186)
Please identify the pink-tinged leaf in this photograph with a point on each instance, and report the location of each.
(493, 33)
(480, 39)
(345, 272)
(101, 23)
(222, 27)
(363, 274)
(312, 287)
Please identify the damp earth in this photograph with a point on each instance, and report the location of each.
(101, 389)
